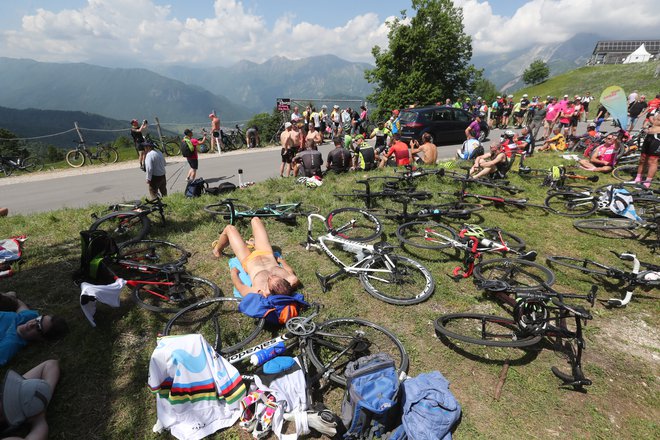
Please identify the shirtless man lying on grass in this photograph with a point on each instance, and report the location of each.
(269, 275)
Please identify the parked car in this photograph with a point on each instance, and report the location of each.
(446, 124)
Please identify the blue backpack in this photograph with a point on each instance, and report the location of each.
(370, 408)
(276, 309)
(429, 409)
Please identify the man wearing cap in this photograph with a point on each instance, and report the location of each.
(23, 400)
(192, 144)
(215, 132)
(395, 125)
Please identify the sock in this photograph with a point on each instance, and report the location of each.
(638, 178)
(647, 183)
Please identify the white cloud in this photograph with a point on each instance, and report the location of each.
(555, 21)
(149, 34)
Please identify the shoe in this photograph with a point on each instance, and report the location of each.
(647, 184)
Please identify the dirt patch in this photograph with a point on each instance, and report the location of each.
(632, 336)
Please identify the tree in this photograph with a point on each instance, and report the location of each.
(537, 72)
(268, 124)
(427, 58)
(11, 145)
(484, 88)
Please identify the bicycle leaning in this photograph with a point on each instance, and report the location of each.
(81, 154)
(392, 278)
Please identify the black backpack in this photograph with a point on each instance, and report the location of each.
(195, 188)
(95, 246)
(224, 187)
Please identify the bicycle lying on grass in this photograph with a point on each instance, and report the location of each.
(284, 212)
(329, 345)
(29, 164)
(541, 313)
(648, 278)
(155, 270)
(391, 278)
(391, 189)
(81, 154)
(129, 221)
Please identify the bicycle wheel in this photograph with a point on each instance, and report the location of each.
(397, 280)
(625, 173)
(75, 158)
(220, 322)
(107, 154)
(606, 224)
(498, 236)
(354, 224)
(32, 164)
(172, 148)
(522, 274)
(223, 210)
(123, 226)
(571, 204)
(6, 169)
(152, 253)
(339, 341)
(452, 209)
(583, 265)
(488, 330)
(169, 293)
(426, 235)
(305, 209)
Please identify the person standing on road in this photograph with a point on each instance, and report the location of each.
(586, 99)
(215, 132)
(154, 163)
(635, 110)
(192, 143)
(287, 140)
(137, 133)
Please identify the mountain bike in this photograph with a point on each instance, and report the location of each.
(284, 212)
(329, 346)
(388, 277)
(81, 154)
(155, 270)
(29, 164)
(541, 313)
(129, 221)
(649, 277)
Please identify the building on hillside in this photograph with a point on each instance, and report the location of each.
(617, 51)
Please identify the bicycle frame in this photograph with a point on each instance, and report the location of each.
(282, 211)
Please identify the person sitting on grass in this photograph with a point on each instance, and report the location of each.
(269, 275)
(19, 326)
(25, 398)
(603, 157)
(557, 142)
(494, 163)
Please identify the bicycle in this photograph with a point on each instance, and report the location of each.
(167, 146)
(14, 163)
(328, 346)
(585, 202)
(471, 239)
(240, 137)
(537, 314)
(420, 211)
(81, 154)
(650, 277)
(388, 277)
(284, 212)
(390, 190)
(154, 269)
(129, 221)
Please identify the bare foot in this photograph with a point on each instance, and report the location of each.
(217, 253)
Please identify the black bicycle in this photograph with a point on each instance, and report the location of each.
(82, 154)
(167, 146)
(129, 221)
(15, 163)
(284, 212)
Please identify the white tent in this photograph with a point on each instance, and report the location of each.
(638, 56)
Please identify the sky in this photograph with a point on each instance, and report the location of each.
(130, 33)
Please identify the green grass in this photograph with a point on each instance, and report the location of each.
(103, 395)
(595, 79)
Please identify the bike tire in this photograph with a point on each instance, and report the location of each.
(394, 286)
(523, 275)
(75, 158)
(304, 209)
(583, 265)
(426, 235)
(571, 204)
(123, 226)
(107, 155)
(152, 254)
(223, 210)
(219, 321)
(6, 169)
(452, 209)
(354, 224)
(606, 224)
(480, 329)
(186, 290)
(33, 164)
(335, 337)
(512, 241)
(625, 173)
(172, 148)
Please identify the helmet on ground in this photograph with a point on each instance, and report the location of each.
(473, 231)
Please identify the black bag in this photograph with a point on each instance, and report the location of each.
(95, 247)
(185, 149)
(195, 188)
(224, 187)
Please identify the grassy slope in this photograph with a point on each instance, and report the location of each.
(102, 393)
(595, 79)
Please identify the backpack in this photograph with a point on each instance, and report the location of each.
(224, 187)
(186, 151)
(370, 408)
(195, 188)
(275, 309)
(11, 252)
(429, 409)
(94, 247)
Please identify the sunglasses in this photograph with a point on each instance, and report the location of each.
(40, 326)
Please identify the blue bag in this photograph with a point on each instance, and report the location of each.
(276, 309)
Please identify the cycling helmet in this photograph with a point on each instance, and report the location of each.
(509, 134)
(482, 114)
(591, 125)
(532, 316)
(473, 231)
(134, 121)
